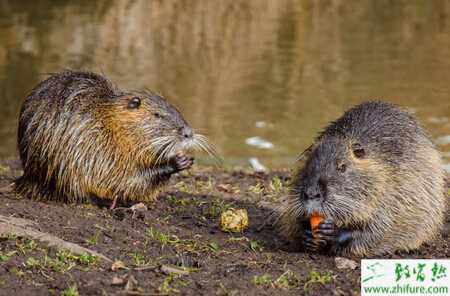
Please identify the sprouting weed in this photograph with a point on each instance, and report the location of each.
(70, 291)
(262, 280)
(255, 246)
(318, 277)
(163, 238)
(165, 287)
(276, 185)
(258, 188)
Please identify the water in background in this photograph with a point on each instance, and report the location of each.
(260, 78)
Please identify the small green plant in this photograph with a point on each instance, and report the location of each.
(183, 187)
(318, 277)
(53, 264)
(26, 245)
(17, 272)
(30, 244)
(213, 246)
(287, 280)
(31, 263)
(63, 261)
(5, 256)
(165, 287)
(255, 246)
(93, 240)
(205, 185)
(262, 280)
(163, 238)
(66, 256)
(258, 188)
(87, 259)
(138, 259)
(174, 201)
(57, 265)
(276, 185)
(70, 291)
(198, 202)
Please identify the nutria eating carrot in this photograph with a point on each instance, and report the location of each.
(376, 180)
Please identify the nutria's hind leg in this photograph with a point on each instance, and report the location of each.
(21, 187)
(114, 203)
(117, 201)
(99, 202)
(32, 189)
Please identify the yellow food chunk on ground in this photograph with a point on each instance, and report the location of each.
(234, 220)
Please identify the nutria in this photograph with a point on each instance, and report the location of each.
(80, 137)
(375, 177)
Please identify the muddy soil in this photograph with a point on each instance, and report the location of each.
(175, 247)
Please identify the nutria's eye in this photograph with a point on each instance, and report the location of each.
(358, 150)
(157, 115)
(342, 167)
(134, 103)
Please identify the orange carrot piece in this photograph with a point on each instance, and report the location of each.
(315, 220)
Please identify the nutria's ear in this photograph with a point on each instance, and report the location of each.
(134, 103)
(358, 150)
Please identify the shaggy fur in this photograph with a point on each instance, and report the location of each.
(392, 197)
(81, 137)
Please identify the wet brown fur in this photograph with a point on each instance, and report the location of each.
(77, 140)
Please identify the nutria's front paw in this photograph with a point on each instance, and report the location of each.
(331, 236)
(327, 231)
(182, 162)
(322, 238)
(311, 244)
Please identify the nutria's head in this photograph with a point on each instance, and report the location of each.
(148, 126)
(340, 179)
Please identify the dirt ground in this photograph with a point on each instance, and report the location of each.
(175, 247)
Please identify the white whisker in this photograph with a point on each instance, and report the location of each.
(201, 142)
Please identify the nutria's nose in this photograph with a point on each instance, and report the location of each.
(186, 132)
(313, 192)
(316, 190)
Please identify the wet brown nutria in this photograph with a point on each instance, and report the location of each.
(80, 137)
(375, 177)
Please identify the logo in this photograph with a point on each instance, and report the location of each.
(405, 277)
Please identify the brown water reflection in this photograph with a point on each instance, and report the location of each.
(229, 64)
